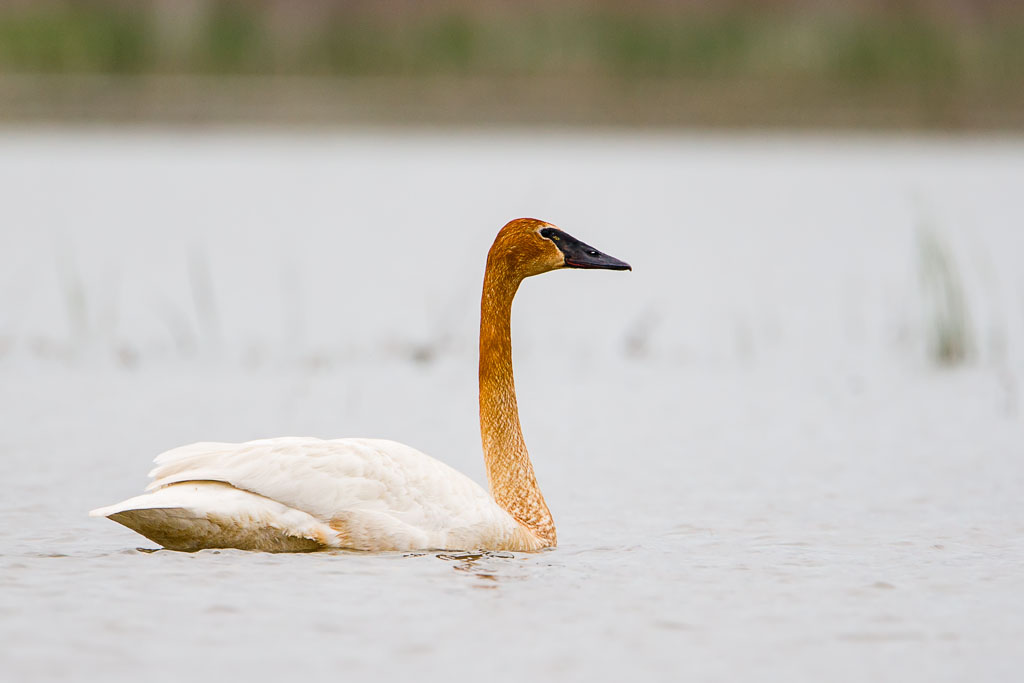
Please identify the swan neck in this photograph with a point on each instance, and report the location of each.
(509, 470)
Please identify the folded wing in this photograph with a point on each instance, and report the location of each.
(367, 494)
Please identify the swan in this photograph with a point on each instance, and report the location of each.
(296, 494)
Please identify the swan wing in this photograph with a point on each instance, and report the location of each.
(208, 514)
(374, 494)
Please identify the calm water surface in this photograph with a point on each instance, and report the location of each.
(757, 468)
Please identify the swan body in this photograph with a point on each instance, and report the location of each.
(297, 494)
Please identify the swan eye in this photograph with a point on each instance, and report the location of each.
(550, 234)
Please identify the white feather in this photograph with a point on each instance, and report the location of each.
(365, 494)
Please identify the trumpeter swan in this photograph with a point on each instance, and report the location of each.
(298, 494)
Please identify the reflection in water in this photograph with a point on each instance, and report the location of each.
(468, 562)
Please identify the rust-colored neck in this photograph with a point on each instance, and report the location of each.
(509, 471)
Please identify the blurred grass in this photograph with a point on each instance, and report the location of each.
(947, 320)
(947, 51)
(71, 38)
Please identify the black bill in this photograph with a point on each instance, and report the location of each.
(580, 255)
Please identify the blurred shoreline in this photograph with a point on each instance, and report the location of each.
(446, 100)
(901, 65)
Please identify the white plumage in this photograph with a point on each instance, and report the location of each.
(298, 493)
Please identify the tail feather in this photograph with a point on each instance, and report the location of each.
(203, 514)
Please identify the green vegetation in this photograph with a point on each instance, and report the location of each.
(61, 39)
(955, 64)
(852, 46)
(948, 327)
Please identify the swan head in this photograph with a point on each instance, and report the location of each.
(527, 246)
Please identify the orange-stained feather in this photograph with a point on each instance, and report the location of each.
(509, 470)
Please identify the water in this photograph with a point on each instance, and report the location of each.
(757, 463)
